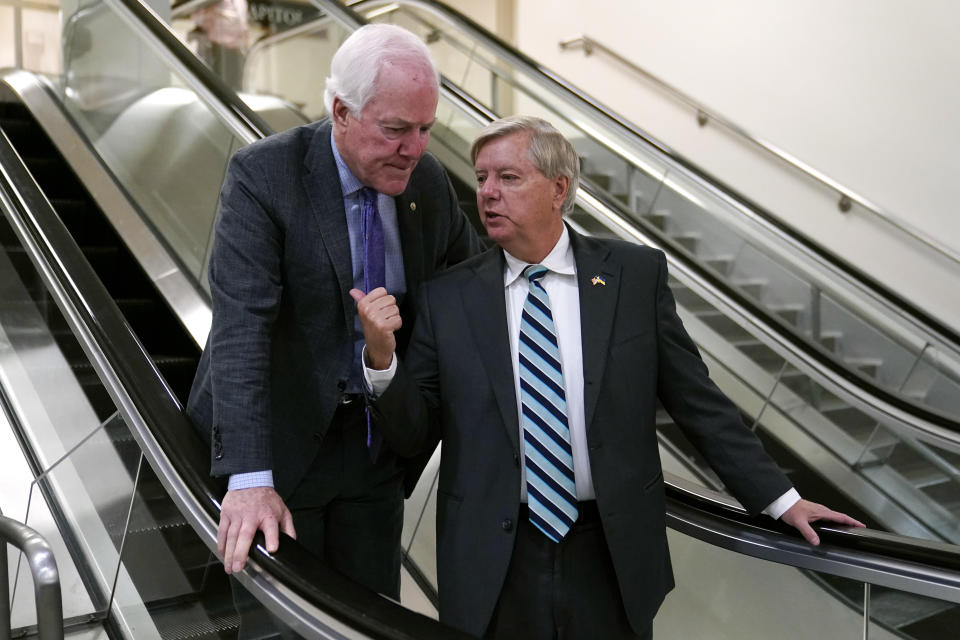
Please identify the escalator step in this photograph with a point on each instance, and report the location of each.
(195, 623)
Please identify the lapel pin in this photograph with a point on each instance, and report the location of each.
(413, 206)
(598, 280)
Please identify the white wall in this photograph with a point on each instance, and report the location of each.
(866, 91)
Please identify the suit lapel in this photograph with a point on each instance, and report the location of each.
(322, 184)
(598, 305)
(486, 311)
(410, 223)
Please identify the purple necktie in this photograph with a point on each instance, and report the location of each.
(374, 274)
(374, 257)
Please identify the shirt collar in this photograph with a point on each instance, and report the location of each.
(559, 260)
(349, 183)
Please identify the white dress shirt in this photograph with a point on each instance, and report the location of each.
(560, 283)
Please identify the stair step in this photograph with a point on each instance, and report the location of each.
(659, 219)
(602, 180)
(722, 324)
(830, 340)
(789, 312)
(753, 287)
(851, 419)
(688, 240)
(760, 353)
(689, 300)
(196, 624)
(946, 493)
(866, 365)
(720, 264)
(917, 470)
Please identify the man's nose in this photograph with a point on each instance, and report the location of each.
(414, 143)
(487, 189)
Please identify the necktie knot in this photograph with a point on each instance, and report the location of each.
(369, 195)
(534, 272)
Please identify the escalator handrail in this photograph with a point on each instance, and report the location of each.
(865, 555)
(567, 90)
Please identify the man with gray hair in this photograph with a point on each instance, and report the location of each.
(539, 365)
(304, 217)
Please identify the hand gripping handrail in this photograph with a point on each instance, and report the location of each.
(46, 579)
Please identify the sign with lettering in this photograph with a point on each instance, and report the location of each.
(280, 16)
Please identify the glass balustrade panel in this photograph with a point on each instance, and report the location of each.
(166, 146)
(42, 395)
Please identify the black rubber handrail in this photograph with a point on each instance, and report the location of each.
(628, 128)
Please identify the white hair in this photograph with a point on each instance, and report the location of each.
(550, 151)
(356, 64)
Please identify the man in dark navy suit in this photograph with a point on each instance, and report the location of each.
(539, 364)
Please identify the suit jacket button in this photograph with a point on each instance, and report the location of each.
(507, 525)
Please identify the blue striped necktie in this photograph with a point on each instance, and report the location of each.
(548, 456)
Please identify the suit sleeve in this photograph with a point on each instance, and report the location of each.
(245, 286)
(707, 417)
(407, 410)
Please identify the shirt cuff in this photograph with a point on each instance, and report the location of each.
(780, 506)
(378, 380)
(250, 480)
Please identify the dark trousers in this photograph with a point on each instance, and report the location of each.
(348, 511)
(564, 591)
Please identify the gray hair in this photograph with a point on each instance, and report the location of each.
(550, 151)
(355, 65)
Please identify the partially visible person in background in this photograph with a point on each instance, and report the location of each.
(220, 35)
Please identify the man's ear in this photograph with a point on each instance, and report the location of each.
(339, 111)
(561, 185)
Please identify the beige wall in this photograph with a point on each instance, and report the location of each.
(39, 35)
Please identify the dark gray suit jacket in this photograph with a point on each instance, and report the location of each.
(456, 383)
(280, 347)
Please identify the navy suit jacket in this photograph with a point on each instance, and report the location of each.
(456, 384)
(280, 346)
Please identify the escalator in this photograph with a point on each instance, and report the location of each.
(146, 536)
